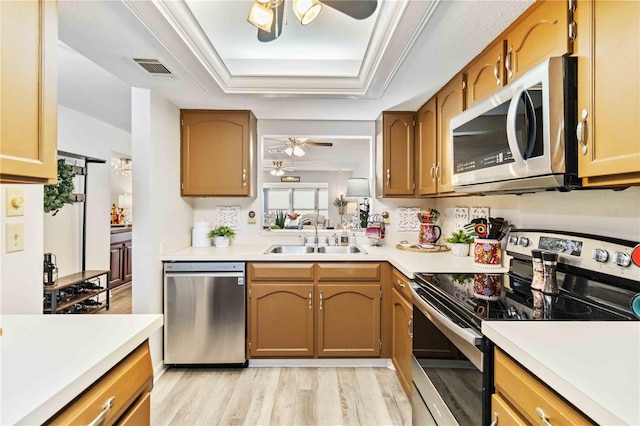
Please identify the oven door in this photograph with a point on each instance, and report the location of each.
(447, 366)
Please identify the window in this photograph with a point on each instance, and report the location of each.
(303, 198)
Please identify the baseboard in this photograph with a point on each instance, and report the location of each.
(332, 362)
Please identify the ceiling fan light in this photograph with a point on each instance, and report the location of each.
(261, 16)
(298, 152)
(306, 10)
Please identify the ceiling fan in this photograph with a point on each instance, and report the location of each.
(267, 15)
(294, 146)
(278, 169)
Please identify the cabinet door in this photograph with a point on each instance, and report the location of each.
(426, 148)
(608, 91)
(542, 33)
(116, 265)
(450, 102)
(28, 99)
(281, 320)
(398, 153)
(486, 74)
(127, 267)
(218, 148)
(348, 320)
(402, 338)
(503, 414)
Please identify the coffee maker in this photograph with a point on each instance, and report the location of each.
(50, 276)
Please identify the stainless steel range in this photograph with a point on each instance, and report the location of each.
(579, 278)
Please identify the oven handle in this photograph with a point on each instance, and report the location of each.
(467, 334)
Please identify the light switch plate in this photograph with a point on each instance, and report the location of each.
(15, 237)
(14, 201)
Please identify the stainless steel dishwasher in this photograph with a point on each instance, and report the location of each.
(204, 313)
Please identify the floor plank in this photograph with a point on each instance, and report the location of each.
(280, 396)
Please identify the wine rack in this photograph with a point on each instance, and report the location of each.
(80, 293)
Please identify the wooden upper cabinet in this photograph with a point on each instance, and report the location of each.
(426, 149)
(450, 102)
(398, 154)
(218, 153)
(28, 99)
(608, 50)
(541, 33)
(486, 73)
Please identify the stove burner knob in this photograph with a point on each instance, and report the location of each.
(523, 241)
(513, 239)
(622, 259)
(600, 255)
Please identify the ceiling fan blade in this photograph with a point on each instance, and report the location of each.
(319, 143)
(357, 9)
(276, 25)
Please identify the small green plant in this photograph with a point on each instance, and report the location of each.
(280, 219)
(340, 202)
(59, 194)
(460, 237)
(222, 231)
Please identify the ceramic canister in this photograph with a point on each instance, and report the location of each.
(199, 234)
(487, 253)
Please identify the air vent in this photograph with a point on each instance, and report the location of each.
(154, 67)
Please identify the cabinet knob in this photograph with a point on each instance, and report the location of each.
(310, 300)
(244, 177)
(399, 284)
(496, 70)
(388, 177)
(321, 300)
(103, 414)
(543, 416)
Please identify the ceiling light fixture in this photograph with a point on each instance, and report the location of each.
(277, 169)
(294, 150)
(261, 15)
(306, 10)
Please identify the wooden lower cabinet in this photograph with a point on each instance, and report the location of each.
(314, 310)
(281, 323)
(120, 259)
(402, 339)
(521, 398)
(127, 386)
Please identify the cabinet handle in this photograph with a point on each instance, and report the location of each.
(543, 416)
(496, 70)
(494, 421)
(581, 130)
(103, 414)
(409, 325)
(321, 300)
(388, 177)
(244, 177)
(432, 172)
(507, 62)
(310, 300)
(399, 284)
(438, 172)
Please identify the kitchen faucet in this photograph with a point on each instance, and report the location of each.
(315, 225)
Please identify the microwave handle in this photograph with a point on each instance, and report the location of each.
(512, 137)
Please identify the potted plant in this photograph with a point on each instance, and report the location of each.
(341, 204)
(60, 193)
(460, 243)
(222, 235)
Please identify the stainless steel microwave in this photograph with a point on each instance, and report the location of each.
(522, 138)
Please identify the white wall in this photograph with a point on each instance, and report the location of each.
(159, 213)
(21, 272)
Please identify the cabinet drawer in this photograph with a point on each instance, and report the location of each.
(401, 283)
(139, 414)
(280, 271)
(349, 272)
(503, 414)
(125, 382)
(526, 393)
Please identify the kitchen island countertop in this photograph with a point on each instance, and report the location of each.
(48, 360)
(406, 262)
(595, 365)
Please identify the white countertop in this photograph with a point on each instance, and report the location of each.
(406, 262)
(594, 365)
(48, 360)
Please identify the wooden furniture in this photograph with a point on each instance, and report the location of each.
(521, 398)
(402, 319)
(218, 153)
(120, 259)
(397, 170)
(426, 151)
(486, 73)
(121, 396)
(28, 99)
(314, 309)
(608, 50)
(71, 293)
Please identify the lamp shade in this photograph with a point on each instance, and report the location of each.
(261, 16)
(306, 10)
(124, 201)
(357, 188)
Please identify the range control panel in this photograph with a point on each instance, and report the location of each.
(605, 255)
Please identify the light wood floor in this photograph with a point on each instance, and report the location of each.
(119, 301)
(280, 396)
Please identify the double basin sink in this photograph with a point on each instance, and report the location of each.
(299, 249)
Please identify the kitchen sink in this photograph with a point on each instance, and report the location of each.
(299, 249)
